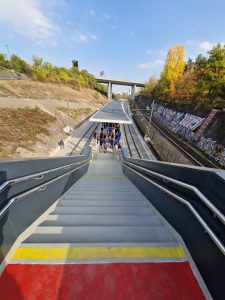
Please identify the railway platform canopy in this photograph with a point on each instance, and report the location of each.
(112, 112)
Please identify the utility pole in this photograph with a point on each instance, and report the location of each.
(68, 109)
(150, 119)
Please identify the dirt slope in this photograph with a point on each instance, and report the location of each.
(65, 105)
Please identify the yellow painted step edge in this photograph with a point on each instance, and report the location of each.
(98, 252)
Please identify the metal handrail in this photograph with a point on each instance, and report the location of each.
(41, 187)
(197, 192)
(216, 240)
(37, 176)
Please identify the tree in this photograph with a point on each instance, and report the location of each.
(4, 63)
(173, 70)
(75, 63)
(216, 72)
(150, 86)
(37, 61)
(19, 65)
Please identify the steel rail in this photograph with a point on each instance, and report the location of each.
(130, 141)
(194, 189)
(41, 187)
(128, 145)
(135, 145)
(213, 236)
(35, 176)
(188, 155)
(79, 141)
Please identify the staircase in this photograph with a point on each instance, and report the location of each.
(205, 124)
(103, 240)
(102, 208)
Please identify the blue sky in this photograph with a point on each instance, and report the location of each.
(127, 39)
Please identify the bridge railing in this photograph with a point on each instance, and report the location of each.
(29, 187)
(182, 195)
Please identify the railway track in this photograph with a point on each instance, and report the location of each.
(86, 135)
(186, 151)
(130, 142)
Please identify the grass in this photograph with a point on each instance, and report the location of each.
(20, 128)
(75, 113)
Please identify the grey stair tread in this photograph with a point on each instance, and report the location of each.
(101, 197)
(111, 203)
(26, 244)
(102, 210)
(100, 220)
(97, 234)
(101, 191)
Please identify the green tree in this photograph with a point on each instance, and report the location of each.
(216, 72)
(150, 86)
(36, 61)
(4, 63)
(19, 65)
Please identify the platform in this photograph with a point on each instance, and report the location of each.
(112, 112)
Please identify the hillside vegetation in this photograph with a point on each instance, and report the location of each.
(34, 112)
(46, 72)
(199, 82)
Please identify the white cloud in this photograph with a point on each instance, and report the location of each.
(83, 38)
(151, 64)
(205, 46)
(26, 18)
(155, 52)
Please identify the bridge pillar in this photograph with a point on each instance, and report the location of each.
(109, 92)
(133, 92)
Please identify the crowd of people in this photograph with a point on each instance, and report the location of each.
(108, 136)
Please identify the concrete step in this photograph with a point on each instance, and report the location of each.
(102, 210)
(106, 197)
(99, 189)
(101, 203)
(98, 234)
(100, 220)
(102, 190)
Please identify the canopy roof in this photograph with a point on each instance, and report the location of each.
(112, 112)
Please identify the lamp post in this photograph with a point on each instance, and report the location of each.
(7, 47)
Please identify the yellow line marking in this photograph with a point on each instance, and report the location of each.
(102, 252)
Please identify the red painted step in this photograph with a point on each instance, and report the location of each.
(119, 281)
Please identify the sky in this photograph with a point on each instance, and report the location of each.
(127, 39)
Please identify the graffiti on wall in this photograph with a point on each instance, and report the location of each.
(182, 124)
(213, 149)
(186, 125)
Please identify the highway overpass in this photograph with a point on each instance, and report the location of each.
(110, 82)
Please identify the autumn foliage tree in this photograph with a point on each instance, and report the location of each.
(173, 70)
(200, 81)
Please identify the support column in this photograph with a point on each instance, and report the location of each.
(133, 92)
(109, 92)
